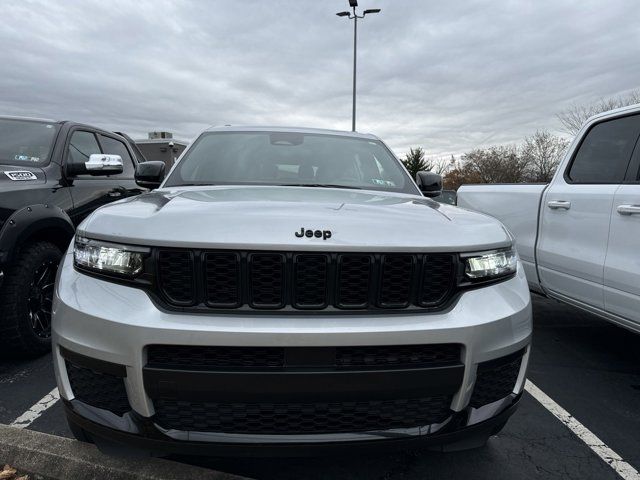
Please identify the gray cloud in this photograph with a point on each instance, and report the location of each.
(449, 76)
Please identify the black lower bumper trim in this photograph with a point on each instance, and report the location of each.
(150, 441)
(292, 386)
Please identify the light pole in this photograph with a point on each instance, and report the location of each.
(353, 4)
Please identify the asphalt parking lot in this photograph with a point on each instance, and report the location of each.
(589, 367)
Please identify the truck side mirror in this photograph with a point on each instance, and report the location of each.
(429, 183)
(150, 174)
(98, 164)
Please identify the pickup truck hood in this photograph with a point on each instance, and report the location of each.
(267, 218)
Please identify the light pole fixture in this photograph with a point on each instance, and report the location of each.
(354, 16)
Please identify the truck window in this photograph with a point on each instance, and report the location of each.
(604, 154)
(82, 145)
(116, 147)
(26, 142)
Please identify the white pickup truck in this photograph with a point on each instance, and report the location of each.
(579, 236)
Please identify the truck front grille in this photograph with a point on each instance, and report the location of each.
(304, 281)
(301, 418)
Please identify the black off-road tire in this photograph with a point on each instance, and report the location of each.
(18, 336)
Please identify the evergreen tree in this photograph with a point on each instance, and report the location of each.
(415, 162)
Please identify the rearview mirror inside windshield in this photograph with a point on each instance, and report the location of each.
(286, 138)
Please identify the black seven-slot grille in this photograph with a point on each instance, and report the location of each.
(305, 281)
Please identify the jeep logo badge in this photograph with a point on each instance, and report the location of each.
(324, 234)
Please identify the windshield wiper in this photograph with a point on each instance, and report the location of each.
(318, 185)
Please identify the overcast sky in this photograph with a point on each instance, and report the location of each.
(446, 75)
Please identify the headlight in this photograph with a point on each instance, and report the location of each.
(491, 265)
(109, 258)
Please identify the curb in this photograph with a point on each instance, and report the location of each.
(62, 458)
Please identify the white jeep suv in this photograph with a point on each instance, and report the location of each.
(283, 288)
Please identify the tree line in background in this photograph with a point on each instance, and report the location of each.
(534, 160)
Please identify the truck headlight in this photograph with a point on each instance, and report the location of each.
(491, 265)
(108, 258)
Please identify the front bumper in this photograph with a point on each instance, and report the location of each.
(114, 439)
(100, 325)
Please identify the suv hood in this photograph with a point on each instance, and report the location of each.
(267, 218)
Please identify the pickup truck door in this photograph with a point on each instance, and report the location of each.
(124, 183)
(90, 192)
(622, 266)
(576, 211)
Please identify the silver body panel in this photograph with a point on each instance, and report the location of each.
(266, 217)
(578, 243)
(114, 323)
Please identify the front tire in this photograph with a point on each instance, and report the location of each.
(26, 299)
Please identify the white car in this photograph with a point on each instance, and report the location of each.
(578, 235)
(289, 288)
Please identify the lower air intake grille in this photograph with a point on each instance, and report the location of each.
(98, 389)
(398, 356)
(181, 357)
(301, 418)
(496, 379)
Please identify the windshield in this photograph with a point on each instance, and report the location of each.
(25, 142)
(286, 158)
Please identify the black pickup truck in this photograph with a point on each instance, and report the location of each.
(48, 185)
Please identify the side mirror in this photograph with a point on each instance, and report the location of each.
(98, 164)
(150, 174)
(429, 183)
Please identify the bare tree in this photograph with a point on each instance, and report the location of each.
(458, 175)
(542, 153)
(500, 164)
(574, 117)
(439, 165)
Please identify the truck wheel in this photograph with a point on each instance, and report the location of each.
(26, 299)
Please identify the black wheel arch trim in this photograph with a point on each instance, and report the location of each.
(29, 220)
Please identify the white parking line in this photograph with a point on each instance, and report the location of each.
(614, 460)
(36, 410)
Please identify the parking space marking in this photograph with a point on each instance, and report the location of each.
(615, 461)
(28, 417)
